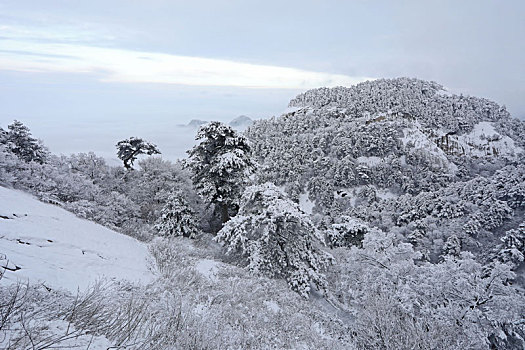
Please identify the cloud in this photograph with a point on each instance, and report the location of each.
(21, 51)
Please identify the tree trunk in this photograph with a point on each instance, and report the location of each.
(224, 213)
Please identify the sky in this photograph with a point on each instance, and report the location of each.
(85, 74)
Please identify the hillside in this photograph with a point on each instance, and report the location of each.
(375, 150)
(83, 284)
(42, 243)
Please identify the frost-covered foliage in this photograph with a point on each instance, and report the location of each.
(419, 194)
(410, 98)
(452, 247)
(400, 303)
(477, 212)
(129, 202)
(454, 163)
(220, 165)
(183, 309)
(237, 310)
(19, 141)
(129, 149)
(395, 134)
(276, 239)
(32, 317)
(177, 218)
(511, 250)
(346, 232)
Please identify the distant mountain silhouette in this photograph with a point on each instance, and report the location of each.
(241, 122)
(195, 123)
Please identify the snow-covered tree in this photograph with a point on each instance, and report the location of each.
(90, 165)
(129, 149)
(512, 247)
(400, 302)
(153, 181)
(221, 164)
(21, 143)
(177, 218)
(9, 163)
(346, 232)
(452, 247)
(3, 136)
(275, 238)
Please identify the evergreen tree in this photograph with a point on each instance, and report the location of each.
(177, 218)
(452, 247)
(3, 136)
(129, 149)
(347, 232)
(221, 164)
(20, 142)
(512, 247)
(276, 239)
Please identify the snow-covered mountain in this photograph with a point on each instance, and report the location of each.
(407, 231)
(241, 122)
(195, 123)
(375, 150)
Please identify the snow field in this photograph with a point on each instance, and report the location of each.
(43, 243)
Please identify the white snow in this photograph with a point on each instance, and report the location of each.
(422, 143)
(445, 92)
(415, 136)
(484, 140)
(305, 203)
(370, 161)
(291, 110)
(272, 306)
(351, 194)
(54, 247)
(208, 268)
(385, 194)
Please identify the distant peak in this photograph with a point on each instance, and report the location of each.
(196, 123)
(241, 122)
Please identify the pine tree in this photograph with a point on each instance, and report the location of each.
(452, 247)
(20, 142)
(221, 164)
(512, 247)
(177, 218)
(3, 136)
(129, 149)
(276, 239)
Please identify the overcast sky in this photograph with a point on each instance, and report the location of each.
(82, 74)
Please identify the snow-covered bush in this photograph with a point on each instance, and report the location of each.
(452, 247)
(276, 239)
(346, 232)
(511, 250)
(400, 302)
(236, 310)
(126, 201)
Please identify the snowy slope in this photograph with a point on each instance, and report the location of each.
(484, 140)
(47, 244)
